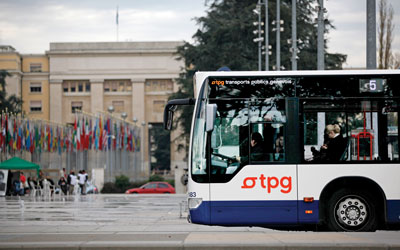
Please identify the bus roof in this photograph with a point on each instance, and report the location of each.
(200, 76)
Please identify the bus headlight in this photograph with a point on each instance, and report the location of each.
(194, 202)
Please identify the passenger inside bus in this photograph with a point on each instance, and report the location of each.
(256, 149)
(279, 148)
(333, 147)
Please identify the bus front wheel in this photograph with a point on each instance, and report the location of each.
(351, 210)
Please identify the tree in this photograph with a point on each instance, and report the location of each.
(396, 60)
(160, 147)
(11, 103)
(225, 38)
(385, 35)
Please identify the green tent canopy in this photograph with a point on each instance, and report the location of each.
(17, 163)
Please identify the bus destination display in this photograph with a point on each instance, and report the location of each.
(372, 85)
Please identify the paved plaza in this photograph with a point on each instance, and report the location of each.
(149, 222)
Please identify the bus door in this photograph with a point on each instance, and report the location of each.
(253, 177)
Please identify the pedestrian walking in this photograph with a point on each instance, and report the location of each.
(72, 181)
(82, 181)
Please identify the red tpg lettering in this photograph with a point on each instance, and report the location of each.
(269, 183)
(287, 186)
(253, 182)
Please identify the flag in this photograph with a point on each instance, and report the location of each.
(78, 136)
(109, 129)
(116, 18)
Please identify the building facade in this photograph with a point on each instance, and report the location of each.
(35, 86)
(134, 78)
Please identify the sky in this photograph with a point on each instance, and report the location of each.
(31, 25)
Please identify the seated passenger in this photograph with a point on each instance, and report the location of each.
(279, 148)
(334, 145)
(256, 149)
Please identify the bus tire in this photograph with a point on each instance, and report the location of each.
(352, 211)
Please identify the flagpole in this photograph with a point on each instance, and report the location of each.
(117, 17)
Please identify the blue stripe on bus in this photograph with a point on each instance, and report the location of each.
(393, 211)
(268, 212)
(253, 212)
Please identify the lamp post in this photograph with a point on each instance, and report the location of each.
(258, 32)
(320, 36)
(294, 36)
(266, 37)
(278, 35)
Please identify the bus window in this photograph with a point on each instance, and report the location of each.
(272, 142)
(369, 129)
(268, 118)
(393, 136)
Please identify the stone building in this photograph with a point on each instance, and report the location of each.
(135, 78)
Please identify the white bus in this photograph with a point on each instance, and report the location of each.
(294, 148)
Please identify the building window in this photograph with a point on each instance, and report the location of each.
(114, 87)
(159, 85)
(80, 87)
(76, 86)
(107, 87)
(72, 87)
(121, 87)
(128, 87)
(117, 86)
(65, 87)
(118, 106)
(36, 67)
(35, 106)
(36, 87)
(87, 87)
(76, 106)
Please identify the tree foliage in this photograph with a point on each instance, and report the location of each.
(225, 38)
(160, 147)
(8, 103)
(385, 36)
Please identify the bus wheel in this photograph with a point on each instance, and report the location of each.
(351, 210)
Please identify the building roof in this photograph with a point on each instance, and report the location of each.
(113, 47)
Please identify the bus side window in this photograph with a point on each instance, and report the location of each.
(273, 143)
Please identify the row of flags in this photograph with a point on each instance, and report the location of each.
(87, 133)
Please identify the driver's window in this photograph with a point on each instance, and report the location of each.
(229, 139)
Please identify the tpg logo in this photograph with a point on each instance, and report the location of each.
(269, 183)
(218, 83)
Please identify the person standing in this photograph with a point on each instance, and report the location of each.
(86, 177)
(24, 184)
(82, 181)
(72, 181)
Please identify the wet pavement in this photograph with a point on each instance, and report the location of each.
(149, 222)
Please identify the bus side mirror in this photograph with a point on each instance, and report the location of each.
(170, 109)
(211, 113)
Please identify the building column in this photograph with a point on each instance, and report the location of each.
(96, 95)
(56, 101)
(139, 111)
